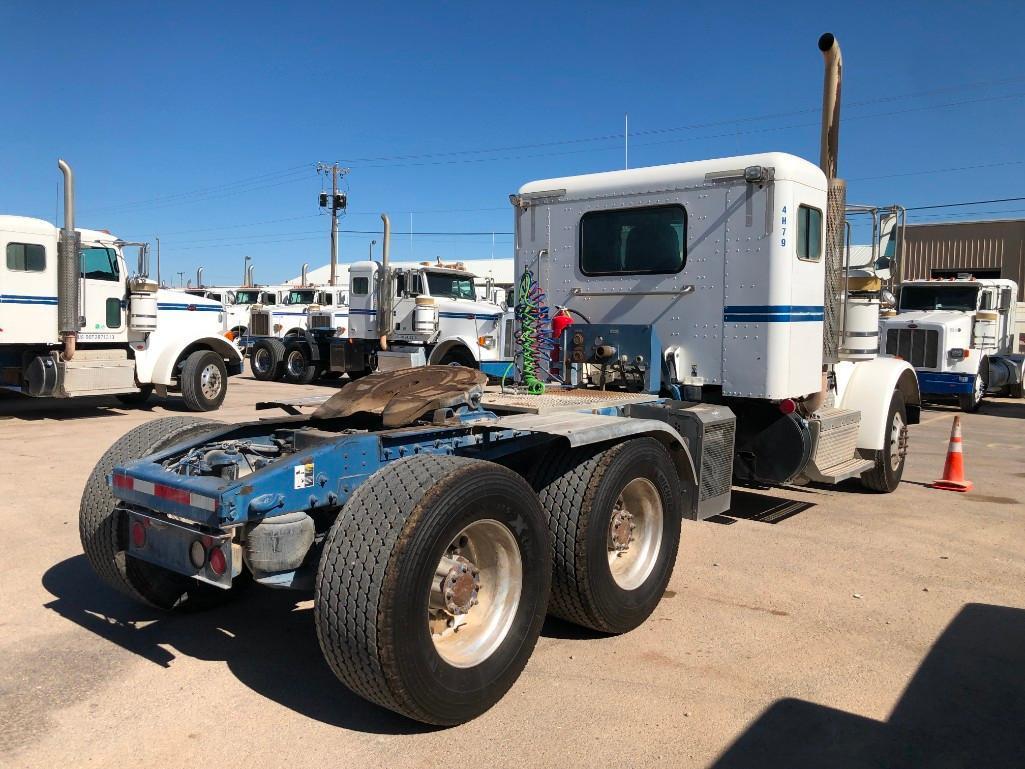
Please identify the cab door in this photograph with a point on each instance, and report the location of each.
(103, 295)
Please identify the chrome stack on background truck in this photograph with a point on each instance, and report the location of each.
(437, 519)
(74, 323)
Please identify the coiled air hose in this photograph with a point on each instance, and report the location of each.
(534, 336)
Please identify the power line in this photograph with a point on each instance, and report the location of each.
(937, 171)
(670, 129)
(967, 203)
(297, 173)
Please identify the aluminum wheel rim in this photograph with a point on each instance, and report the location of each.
(466, 639)
(296, 363)
(261, 360)
(898, 441)
(210, 381)
(639, 506)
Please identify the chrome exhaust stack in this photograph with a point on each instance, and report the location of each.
(304, 281)
(69, 269)
(199, 278)
(384, 286)
(836, 201)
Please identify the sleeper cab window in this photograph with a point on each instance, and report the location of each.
(361, 286)
(26, 257)
(634, 241)
(809, 233)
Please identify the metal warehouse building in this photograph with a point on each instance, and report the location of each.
(987, 249)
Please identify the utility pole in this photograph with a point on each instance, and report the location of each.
(337, 203)
(372, 244)
(181, 280)
(158, 262)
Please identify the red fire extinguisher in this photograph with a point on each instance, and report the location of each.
(560, 321)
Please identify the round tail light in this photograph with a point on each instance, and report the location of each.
(787, 406)
(138, 534)
(218, 562)
(197, 554)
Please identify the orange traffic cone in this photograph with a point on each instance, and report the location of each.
(953, 469)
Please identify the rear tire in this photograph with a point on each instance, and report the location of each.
(596, 581)
(266, 359)
(104, 531)
(204, 381)
(889, 468)
(1016, 390)
(382, 587)
(298, 366)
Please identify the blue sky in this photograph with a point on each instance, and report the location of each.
(202, 123)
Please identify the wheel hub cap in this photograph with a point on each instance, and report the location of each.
(456, 586)
(621, 529)
(210, 381)
(635, 534)
(474, 593)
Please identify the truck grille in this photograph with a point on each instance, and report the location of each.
(717, 459)
(259, 324)
(320, 321)
(918, 346)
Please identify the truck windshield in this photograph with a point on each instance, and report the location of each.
(455, 286)
(301, 297)
(247, 297)
(939, 297)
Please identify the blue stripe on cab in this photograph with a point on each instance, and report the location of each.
(772, 313)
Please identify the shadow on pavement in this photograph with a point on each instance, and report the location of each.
(965, 707)
(764, 508)
(268, 642)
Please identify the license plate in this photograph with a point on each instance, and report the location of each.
(175, 547)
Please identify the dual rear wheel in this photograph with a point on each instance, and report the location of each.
(433, 610)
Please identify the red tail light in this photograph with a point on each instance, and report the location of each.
(138, 534)
(787, 406)
(218, 562)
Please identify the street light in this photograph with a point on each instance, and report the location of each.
(372, 244)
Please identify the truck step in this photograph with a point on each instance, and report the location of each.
(850, 468)
(835, 457)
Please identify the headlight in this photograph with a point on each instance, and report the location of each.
(958, 353)
(487, 342)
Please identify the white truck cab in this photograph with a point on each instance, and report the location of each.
(74, 323)
(959, 334)
(434, 316)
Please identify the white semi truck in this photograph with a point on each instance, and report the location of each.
(73, 323)
(434, 317)
(959, 334)
(438, 520)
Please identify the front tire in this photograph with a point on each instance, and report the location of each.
(614, 516)
(432, 586)
(889, 468)
(970, 402)
(204, 381)
(103, 530)
(458, 356)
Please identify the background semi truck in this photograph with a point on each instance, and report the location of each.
(398, 317)
(960, 336)
(73, 323)
(437, 520)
